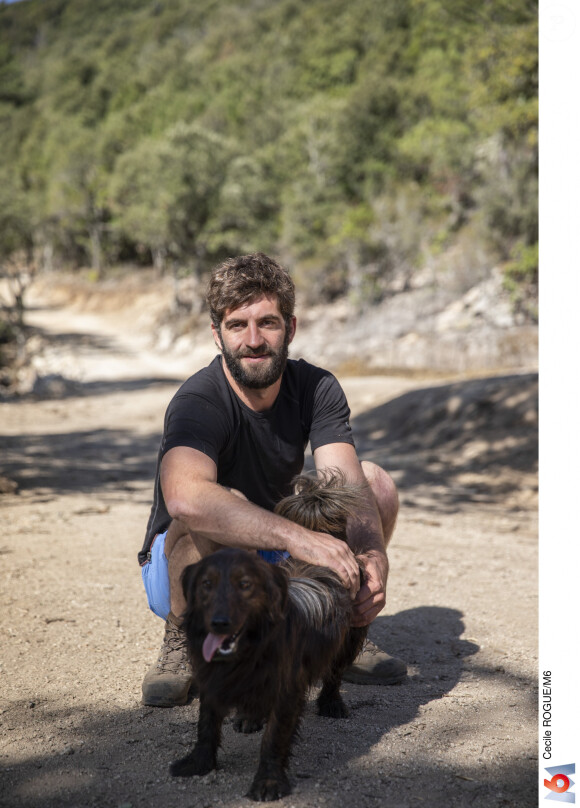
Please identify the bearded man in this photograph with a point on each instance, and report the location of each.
(234, 438)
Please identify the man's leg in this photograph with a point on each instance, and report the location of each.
(182, 549)
(373, 666)
(386, 496)
(168, 682)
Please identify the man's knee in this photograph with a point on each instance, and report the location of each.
(184, 541)
(186, 546)
(381, 483)
(187, 549)
(386, 495)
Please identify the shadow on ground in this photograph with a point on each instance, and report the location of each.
(121, 757)
(56, 387)
(485, 429)
(73, 340)
(84, 461)
(474, 440)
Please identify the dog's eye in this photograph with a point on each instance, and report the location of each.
(206, 584)
(245, 583)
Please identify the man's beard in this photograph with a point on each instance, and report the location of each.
(263, 375)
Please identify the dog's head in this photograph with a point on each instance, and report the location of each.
(232, 595)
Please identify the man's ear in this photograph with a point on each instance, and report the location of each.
(291, 329)
(217, 337)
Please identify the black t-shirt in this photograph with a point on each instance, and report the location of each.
(257, 453)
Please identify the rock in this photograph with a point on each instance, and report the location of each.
(8, 486)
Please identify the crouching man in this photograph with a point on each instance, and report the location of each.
(234, 437)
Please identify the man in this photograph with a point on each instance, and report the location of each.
(234, 438)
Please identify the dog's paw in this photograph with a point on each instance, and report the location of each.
(195, 764)
(247, 725)
(332, 708)
(267, 789)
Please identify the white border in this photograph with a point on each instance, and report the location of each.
(559, 376)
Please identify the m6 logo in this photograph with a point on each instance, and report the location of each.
(560, 783)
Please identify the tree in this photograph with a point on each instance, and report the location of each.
(16, 260)
(181, 131)
(164, 192)
(75, 195)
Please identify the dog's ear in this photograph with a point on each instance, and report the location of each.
(188, 581)
(277, 591)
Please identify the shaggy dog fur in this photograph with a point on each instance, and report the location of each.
(261, 635)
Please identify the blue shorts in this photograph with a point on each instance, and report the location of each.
(155, 574)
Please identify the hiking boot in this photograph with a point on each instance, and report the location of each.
(375, 667)
(168, 681)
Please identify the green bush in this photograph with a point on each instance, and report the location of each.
(521, 279)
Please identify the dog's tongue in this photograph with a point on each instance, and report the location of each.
(210, 645)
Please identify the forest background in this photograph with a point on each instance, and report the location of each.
(359, 143)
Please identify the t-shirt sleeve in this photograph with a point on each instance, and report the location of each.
(330, 415)
(196, 422)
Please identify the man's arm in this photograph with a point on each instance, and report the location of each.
(364, 533)
(193, 497)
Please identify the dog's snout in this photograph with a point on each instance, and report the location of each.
(220, 624)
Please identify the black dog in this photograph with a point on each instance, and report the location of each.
(260, 636)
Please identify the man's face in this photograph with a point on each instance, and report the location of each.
(254, 341)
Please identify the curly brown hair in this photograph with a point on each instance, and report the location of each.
(238, 281)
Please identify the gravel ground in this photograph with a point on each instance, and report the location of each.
(77, 636)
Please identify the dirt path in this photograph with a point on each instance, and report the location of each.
(76, 635)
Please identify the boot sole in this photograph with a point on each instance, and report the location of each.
(362, 679)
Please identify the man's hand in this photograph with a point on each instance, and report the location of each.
(364, 531)
(371, 596)
(326, 551)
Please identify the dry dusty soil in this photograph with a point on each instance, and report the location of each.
(77, 637)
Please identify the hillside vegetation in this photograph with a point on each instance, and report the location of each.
(354, 140)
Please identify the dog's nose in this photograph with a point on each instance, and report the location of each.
(220, 624)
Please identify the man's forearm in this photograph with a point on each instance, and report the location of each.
(364, 530)
(215, 513)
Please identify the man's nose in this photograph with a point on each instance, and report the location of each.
(253, 336)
